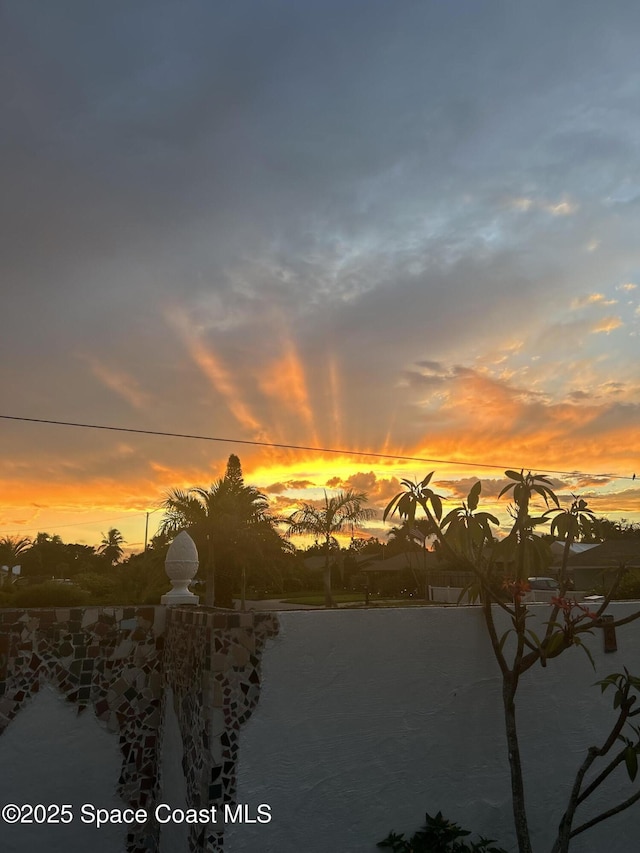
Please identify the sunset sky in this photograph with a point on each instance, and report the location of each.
(404, 227)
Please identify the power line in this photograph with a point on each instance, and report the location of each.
(366, 454)
(76, 523)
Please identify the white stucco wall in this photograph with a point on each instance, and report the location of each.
(173, 787)
(48, 755)
(368, 718)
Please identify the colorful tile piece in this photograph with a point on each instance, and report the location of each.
(119, 661)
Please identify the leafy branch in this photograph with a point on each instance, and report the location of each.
(500, 569)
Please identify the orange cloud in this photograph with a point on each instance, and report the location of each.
(483, 419)
(215, 371)
(221, 380)
(276, 488)
(580, 424)
(593, 299)
(122, 384)
(284, 380)
(607, 324)
(335, 394)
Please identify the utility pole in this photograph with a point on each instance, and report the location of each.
(146, 526)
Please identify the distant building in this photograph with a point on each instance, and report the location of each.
(592, 565)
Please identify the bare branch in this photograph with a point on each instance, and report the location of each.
(606, 815)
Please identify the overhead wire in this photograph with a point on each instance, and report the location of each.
(283, 446)
(74, 524)
(333, 450)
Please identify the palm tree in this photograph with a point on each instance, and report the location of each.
(231, 524)
(10, 549)
(43, 538)
(194, 510)
(339, 512)
(111, 545)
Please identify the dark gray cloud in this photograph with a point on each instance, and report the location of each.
(382, 191)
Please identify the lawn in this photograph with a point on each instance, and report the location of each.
(318, 598)
(355, 599)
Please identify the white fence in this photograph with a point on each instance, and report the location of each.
(451, 595)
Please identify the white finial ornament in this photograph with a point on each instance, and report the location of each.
(181, 565)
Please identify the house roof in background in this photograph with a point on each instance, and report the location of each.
(557, 547)
(370, 563)
(608, 554)
(409, 560)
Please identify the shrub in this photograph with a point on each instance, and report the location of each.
(50, 594)
(629, 587)
(101, 587)
(6, 597)
(438, 835)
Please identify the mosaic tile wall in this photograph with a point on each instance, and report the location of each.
(108, 658)
(212, 665)
(118, 661)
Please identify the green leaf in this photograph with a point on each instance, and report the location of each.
(503, 638)
(556, 641)
(631, 760)
(612, 678)
(449, 517)
(474, 496)
(513, 475)
(404, 505)
(579, 642)
(473, 591)
(545, 493)
(506, 489)
(535, 637)
(483, 519)
(520, 493)
(436, 503)
(389, 508)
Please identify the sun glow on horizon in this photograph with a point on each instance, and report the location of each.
(495, 411)
(286, 478)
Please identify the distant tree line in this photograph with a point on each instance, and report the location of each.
(245, 551)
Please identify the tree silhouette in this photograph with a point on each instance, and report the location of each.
(500, 570)
(10, 549)
(111, 545)
(232, 527)
(338, 513)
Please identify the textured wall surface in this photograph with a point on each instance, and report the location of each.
(50, 754)
(103, 661)
(138, 700)
(365, 719)
(368, 718)
(212, 667)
